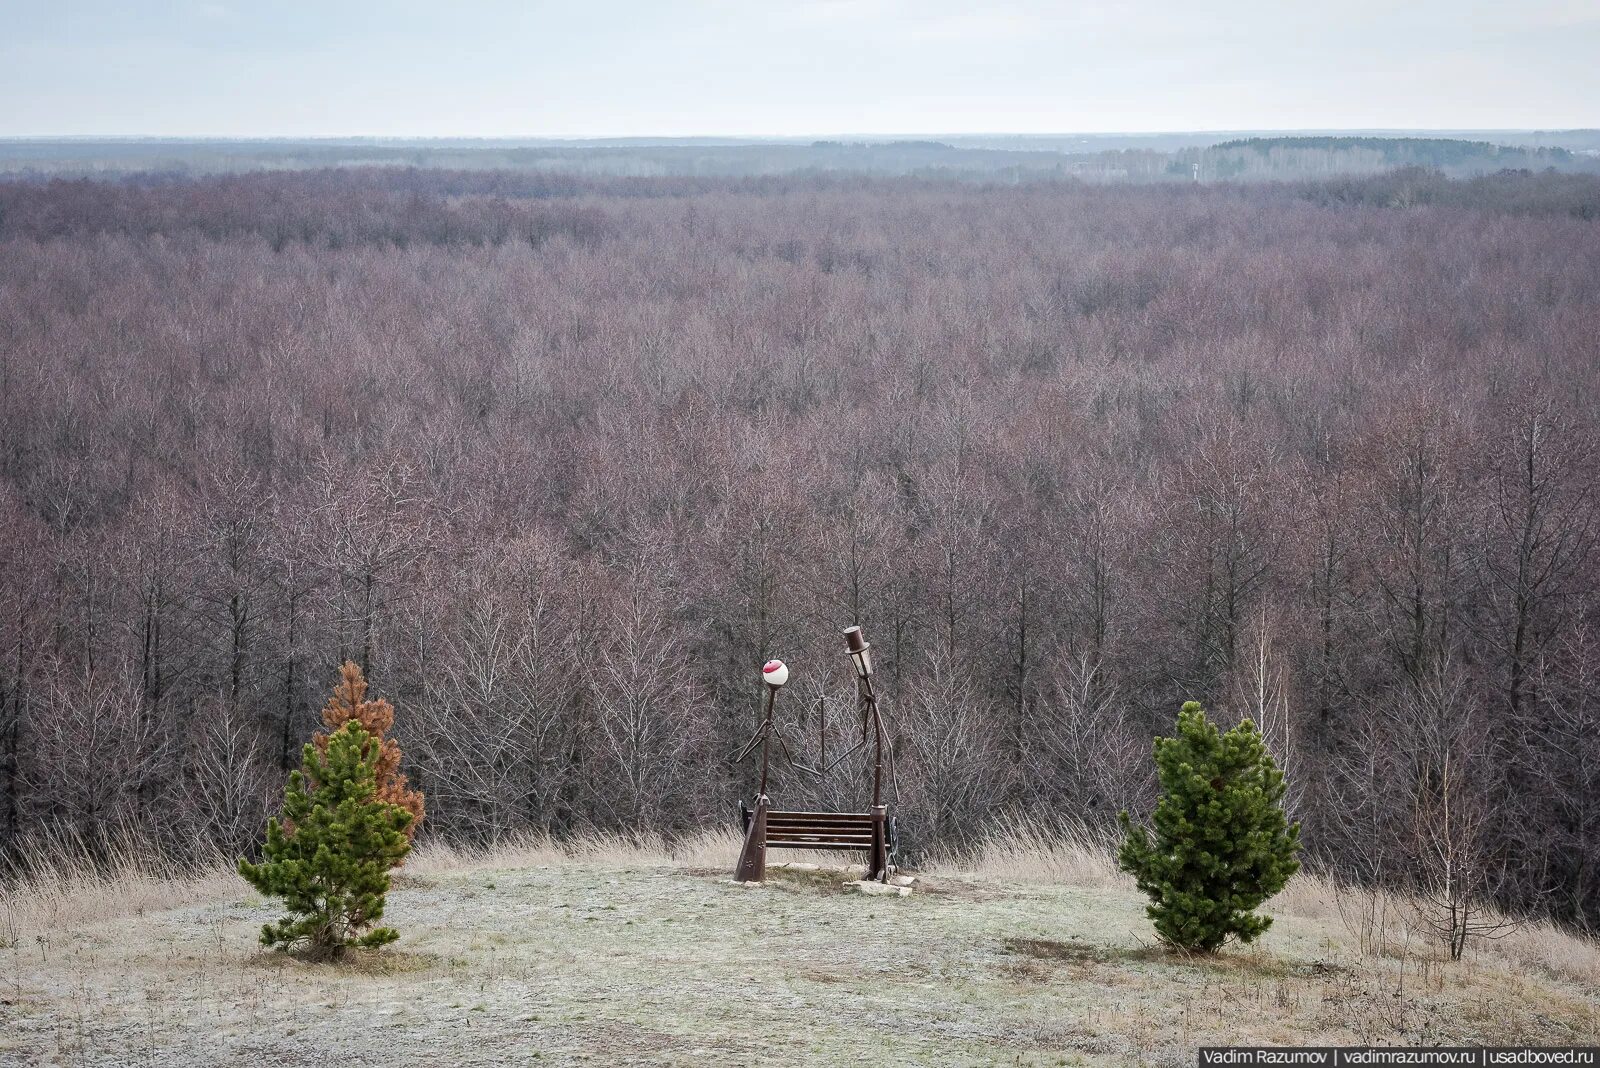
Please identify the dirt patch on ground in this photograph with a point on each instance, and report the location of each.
(810, 881)
(1076, 952)
(958, 889)
(1256, 964)
(355, 962)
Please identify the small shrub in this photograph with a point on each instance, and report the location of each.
(329, 858)
(1221, 844)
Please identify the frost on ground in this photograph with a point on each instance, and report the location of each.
(651, 960)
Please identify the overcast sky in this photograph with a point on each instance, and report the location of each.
(656, 67)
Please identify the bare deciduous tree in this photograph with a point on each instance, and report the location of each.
(644, 697)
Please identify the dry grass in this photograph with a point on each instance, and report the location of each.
(1378, 923)
(1030, 852)
(61, 886)
(64, 881)
(435, 857)
(713, 850)
(636, 950)
(1548, 947)
(1383, 923)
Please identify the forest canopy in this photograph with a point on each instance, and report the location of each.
(560, 460)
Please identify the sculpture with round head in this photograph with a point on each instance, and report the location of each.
(775, 672)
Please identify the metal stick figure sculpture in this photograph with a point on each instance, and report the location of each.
(861, 658)
(766, 827)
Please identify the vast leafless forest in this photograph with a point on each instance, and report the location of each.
(561, 460)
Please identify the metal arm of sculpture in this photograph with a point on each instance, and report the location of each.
(775, 673)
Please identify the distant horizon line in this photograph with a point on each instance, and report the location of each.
(781, 138)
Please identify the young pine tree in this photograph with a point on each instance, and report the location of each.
(1221, 844)
(349, 702)
(329, 858)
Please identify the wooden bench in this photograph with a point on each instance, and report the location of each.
(869, 832)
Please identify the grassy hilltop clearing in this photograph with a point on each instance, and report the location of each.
(617, 953)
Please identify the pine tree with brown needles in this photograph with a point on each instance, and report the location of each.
(329, 856)
(349, 704)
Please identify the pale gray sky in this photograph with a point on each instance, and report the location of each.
(655, 67)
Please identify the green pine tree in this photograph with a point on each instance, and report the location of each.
(329, 858)
(1221, 844)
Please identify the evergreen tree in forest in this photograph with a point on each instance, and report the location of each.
(329, 858)
(349, 703)
(1221, 844)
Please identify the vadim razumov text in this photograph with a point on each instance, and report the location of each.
(1246, 1056)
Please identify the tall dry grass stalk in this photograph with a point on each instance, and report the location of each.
(703, 849)
(1028, 851)
(57, 879)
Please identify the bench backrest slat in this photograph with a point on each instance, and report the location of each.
(775, 812)
(819, 830)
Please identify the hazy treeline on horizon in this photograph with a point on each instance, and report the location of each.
(1140, 158)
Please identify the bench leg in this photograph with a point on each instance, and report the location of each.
(878, 859)
(753, 857)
